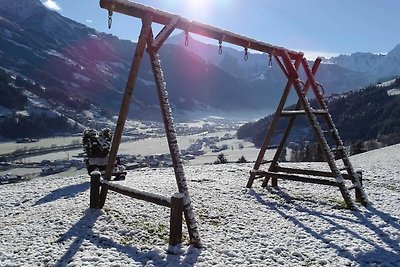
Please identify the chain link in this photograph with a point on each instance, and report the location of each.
(110, 13)
(220, 47)
(186, 38)
(246, 54)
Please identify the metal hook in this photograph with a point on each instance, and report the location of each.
(110, 13)
(186, 38)
(220, 47)
(246, 54)
(270, 61)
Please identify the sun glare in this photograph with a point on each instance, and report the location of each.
(198, 9)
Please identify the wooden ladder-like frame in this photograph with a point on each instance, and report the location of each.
(303, 107)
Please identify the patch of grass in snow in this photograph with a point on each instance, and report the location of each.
(46, 263)
(389, 187)
(339, 204)
(210, 218)
(309, 262)
(152, 232)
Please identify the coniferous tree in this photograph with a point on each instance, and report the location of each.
(221, 159)
(357, 148)
(242, 159)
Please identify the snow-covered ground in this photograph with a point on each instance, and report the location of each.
(47, 222)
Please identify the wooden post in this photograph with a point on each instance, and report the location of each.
(175, 223)
(94, 189)
(359, 197)
(173, 144)
(130, 85)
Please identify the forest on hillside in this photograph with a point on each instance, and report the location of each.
(23, 120)
(368, 115)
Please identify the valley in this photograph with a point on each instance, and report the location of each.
(200, 142)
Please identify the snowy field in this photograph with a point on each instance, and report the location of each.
(47, 222)
(7, 147)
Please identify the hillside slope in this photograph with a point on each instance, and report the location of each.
(370, 113)
(47, 221)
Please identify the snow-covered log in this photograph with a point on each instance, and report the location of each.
(173, 147)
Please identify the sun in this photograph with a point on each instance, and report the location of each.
(198, 9)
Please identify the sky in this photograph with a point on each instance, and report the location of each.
(316, 27)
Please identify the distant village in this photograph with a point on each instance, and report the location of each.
(164, 160)
(130, 162)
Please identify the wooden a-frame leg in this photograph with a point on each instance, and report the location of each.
(317, 130)
(130, 85)
(287, 130)
(355, 178)
(271, 128)
(172, 140)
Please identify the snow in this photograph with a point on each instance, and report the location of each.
(47, 222)
(387, 83)
(88, 114)
(146, 82)
(102, 66)
(81, 77)
(117, 65)
(75, 85)
(394, 91)
(23, 113)
(19, 44)
(61, 56)
(94, 36)
(37, 101)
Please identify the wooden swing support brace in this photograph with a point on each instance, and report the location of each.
(153, 44)
(123, 113)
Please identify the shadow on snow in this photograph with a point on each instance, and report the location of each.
(66, 192)
(83, 230)
(378, 255)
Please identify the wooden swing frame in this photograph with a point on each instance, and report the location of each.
(288, 60)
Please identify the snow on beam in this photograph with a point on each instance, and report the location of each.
(142, 195)
(161, 17)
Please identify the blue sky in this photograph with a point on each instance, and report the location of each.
(316, 27)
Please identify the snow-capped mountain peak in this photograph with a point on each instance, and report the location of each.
(395, 52)
(361, 62)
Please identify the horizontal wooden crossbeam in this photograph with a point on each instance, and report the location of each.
(161, 17)
(284, 176)
(310, 172)
(137, 194)
(303, 112)
(175, 203)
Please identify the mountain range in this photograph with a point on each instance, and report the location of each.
(80, 68)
